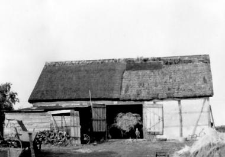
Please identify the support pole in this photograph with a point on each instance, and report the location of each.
(181, 118)
(208, 114)
(145, 112)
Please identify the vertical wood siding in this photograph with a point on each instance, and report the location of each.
(75, 124)
(153, 118)
(99, 117)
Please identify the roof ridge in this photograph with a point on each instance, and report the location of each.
(124, 60)
(83, 62)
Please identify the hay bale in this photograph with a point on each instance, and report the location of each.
(213, 150)
(184, 152)
(212, 144)
(211, 138)
(127, 121)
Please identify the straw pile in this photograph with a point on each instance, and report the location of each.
(210, 145)
(127, 121)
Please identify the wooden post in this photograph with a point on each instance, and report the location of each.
(31, 145)
(106, 125)
(208, 114)
(162, 121)
(181, 118)
(62, 123)
(144, 121)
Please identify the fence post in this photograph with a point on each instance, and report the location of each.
(31, 145)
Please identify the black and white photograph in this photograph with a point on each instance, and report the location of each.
(112, 78)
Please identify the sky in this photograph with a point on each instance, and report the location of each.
(33, 32)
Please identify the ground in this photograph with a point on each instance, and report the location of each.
(115, 148)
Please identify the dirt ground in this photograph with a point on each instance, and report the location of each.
(115, 148)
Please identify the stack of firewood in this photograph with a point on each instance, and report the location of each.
(56, 138)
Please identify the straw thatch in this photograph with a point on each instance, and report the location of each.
(125, 79)
(68, 82)
(171, 81)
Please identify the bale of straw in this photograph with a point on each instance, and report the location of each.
(127, 121)
(212, 144)
(184, 152)
(211, 138)
(209, 150)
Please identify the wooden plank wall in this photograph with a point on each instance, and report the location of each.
(75, 123)
(99, 118)
(32, 121)
(152, 120)
(75, 127)
(61, 122)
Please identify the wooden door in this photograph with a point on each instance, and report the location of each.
(153, 118)
(99, 117)
(75, 125)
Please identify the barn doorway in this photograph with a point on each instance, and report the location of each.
(112, 111)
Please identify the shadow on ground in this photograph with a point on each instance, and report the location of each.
(48, 153)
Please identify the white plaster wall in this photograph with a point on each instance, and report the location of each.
(191, 110)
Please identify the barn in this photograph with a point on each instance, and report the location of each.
(171, 94)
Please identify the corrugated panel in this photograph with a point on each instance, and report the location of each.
(75, 124)
(99, 117)
(153, 115)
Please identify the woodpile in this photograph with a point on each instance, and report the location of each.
(52, 137)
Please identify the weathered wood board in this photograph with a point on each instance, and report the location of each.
(75, 127)
(99, 117)
(32, 121)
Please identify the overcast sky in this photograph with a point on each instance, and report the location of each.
(33, 32)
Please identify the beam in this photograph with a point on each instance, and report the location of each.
(212, 117)
(211, 114)
(194, 130)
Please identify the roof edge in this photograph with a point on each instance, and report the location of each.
(135, 100)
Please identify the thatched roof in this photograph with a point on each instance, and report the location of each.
(125, 79)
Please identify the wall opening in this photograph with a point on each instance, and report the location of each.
(112, 111)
